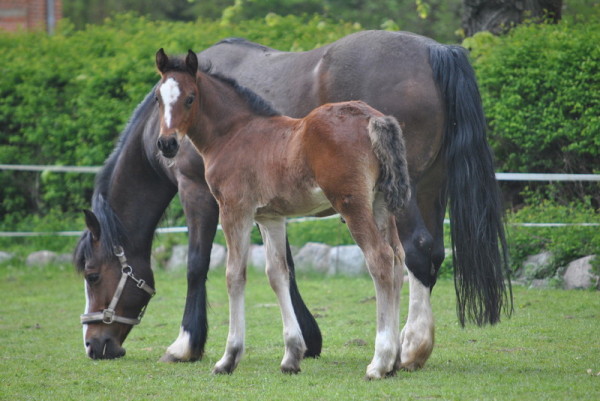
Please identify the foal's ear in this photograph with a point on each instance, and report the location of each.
(191, 62)
(92, 223)
(161, 60)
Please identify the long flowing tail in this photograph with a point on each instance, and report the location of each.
(388, 146)
(476, 215)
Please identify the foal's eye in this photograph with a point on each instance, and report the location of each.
(156, 99)
(189, 100)
(92, 278)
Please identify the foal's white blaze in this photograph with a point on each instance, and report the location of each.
(87, 310)
(181, 348)
(417, 335)
(169, 92)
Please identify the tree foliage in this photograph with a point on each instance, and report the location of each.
(541, 90)
(65, 98)
(439, 19)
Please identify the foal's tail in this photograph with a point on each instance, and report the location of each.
(388, 146)
(476, 215)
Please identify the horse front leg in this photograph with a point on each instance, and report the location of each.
(277, 270)
(202, 215)
(417, 336)
(237, 228)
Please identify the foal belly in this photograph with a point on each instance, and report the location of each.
(310, 203)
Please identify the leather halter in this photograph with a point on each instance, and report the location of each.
(108, 315)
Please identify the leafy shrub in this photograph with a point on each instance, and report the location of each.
(540, 86)
(566, 243)
(65, 98)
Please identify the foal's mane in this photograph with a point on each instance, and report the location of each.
(257, 104)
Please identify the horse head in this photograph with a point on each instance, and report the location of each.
(176, 95)
(116, 296)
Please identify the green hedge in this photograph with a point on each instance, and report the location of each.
(65, 98)
(540, 86)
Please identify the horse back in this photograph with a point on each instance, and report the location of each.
(388, 70)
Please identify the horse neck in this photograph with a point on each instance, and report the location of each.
(222, 112)
(138, 193)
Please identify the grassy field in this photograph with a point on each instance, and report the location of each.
(543, 352)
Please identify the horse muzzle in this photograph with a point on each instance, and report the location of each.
(168, 145)
(104, 348)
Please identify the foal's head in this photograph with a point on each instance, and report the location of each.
(177, 97)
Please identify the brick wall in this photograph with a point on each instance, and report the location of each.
(28, 15)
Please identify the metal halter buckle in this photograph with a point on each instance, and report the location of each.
(108, 315)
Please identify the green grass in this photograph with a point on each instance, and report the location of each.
(542, 352)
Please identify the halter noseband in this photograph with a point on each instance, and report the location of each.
(108, 315)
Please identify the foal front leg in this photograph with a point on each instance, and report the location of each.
(237, 230)
(279, 278)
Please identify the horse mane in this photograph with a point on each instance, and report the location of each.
(243, 42)
(112, 231)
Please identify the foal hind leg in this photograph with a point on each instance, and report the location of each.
(237, 228)
(380, 258)
(386, 223)
(279, 278)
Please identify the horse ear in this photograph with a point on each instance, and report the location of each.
(161, 60)
(92, 223)
(191, 62)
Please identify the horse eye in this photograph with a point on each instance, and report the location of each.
(189, 100)
(92, 278)
(156, 99)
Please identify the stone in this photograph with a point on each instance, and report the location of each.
(538, 266)
(5, 256)
(257, 257)
(41, 258)
(314, 256)
(178, 259)
(540, 283)
(578, 274)
(64, 259)
(218, 256)
(348, 260)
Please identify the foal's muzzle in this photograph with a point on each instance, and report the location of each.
(168, 145)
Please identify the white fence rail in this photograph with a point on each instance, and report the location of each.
(165, 230)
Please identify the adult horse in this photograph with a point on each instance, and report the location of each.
(431, 89)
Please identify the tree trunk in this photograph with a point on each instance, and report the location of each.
(498, 16)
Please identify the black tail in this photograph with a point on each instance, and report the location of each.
(476, 215)
(308, 325)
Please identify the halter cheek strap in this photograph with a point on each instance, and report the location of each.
(108, 315)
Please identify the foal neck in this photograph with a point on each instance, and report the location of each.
(225, 108)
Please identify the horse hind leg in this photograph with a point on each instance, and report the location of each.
(279, 279)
